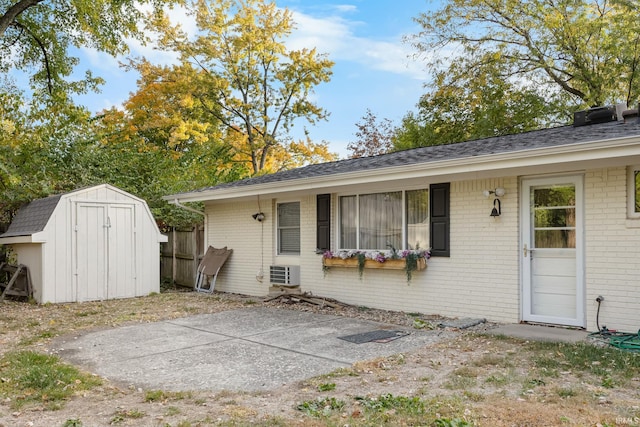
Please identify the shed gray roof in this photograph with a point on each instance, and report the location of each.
(32, 217)
(546, 138)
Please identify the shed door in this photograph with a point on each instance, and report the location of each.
(104, 251)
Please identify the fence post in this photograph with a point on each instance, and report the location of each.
(174, 261)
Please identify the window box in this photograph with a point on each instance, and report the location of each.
(389, 264)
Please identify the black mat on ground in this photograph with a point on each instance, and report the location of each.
(380, 335)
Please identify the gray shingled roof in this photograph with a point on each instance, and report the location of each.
(545, 138)
(32, 217)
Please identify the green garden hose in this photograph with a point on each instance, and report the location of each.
(622, 340)
(626, 341)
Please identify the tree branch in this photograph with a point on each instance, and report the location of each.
(42, 47)
(13, 12)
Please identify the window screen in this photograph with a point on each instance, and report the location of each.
(289, 228)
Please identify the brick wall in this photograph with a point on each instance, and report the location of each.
(231, 225)
(612, 252)
(481, 278)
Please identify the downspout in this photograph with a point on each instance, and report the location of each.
(190, 209)
(195, 211)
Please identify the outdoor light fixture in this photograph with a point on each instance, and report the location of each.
(499, 192)
(258, 216)
(496, 211)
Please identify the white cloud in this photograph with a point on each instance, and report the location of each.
(345, 8)
(335, 36)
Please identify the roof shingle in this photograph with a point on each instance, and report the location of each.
(546, 138)
(32, 217)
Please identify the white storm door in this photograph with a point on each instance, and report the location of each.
(91, 251)
(552, 251)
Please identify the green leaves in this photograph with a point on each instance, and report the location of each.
(477, 100)
(508, 66)
(37, 36)
(587, 49)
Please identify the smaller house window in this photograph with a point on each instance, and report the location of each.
(633, 192)
(289, 228)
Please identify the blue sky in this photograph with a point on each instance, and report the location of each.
(373, 66)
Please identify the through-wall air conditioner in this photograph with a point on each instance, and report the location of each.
(285, 274)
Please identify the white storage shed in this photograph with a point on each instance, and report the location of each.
(91, 244)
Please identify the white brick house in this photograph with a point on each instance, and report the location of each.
(569, 229)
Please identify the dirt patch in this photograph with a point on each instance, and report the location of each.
(485, 380)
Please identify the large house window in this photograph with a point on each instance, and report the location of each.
(289, 228)
(633, 191)
(378, 221)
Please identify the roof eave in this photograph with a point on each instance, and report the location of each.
(30, 238)
(569, 153)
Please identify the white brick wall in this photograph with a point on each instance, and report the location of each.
(481, 278)
(231, 225)
(612, 252)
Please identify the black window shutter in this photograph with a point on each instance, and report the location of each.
(439, 219)
(323, 218)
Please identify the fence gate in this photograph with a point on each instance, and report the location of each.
(181, 255)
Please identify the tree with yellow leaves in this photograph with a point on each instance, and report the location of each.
(238, 71)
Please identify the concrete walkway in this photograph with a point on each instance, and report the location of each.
(249, 349)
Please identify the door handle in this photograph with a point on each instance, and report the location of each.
(526, 250)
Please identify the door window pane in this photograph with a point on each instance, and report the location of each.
(555, 196)
(555, 239)
(554, 217)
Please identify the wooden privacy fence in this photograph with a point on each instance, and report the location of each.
(180, 256)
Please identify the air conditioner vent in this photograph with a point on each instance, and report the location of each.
(285, 274)
(594, 115)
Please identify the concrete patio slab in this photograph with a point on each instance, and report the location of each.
(249, 349)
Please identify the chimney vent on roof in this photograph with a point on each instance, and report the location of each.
(594, 115)
(620, 107)
(631, 116)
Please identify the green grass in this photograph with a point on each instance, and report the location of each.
(327, 387)
(387, 402)
(155, 396)
(610, 365)
(42, 336)
(321, 407)
(497, 379)
(122, 416)
(31, 378)
(386, 409)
